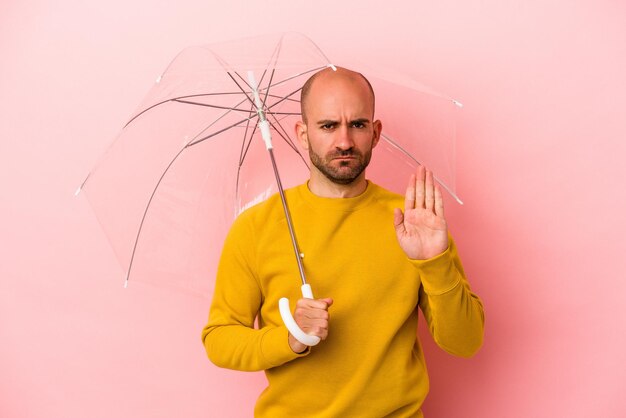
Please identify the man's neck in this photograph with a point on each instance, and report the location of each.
(321, 186)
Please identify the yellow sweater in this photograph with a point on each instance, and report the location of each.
(371, 364)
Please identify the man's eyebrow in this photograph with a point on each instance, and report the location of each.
(331, 121)
(326, 122)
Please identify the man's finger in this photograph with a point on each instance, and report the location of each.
(420, 179)
(306, 303)
(314, 314)
(438, 202)
(398, 220)
(409, 197)
(429, 191)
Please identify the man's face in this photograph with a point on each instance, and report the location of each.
(339, 133)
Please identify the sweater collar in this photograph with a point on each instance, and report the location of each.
(347, 204)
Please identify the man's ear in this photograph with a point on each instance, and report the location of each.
(378, 128)
(301, 134)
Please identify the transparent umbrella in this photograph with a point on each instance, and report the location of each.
(192, 156)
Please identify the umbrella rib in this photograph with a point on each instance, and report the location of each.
(286, 136)
(408, 154)
(288, 141)
(241, 88)
(245, 148)
(282, 99)
(152, 197)
(197, 141)
(267, 91)
(227, 107)
(173, 99)
(143, 218)
(211, 106)
(246, 81)
(243, 154)
(132, 258)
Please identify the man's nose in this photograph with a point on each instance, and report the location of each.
(344, 140)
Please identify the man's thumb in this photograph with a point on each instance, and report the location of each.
(398, 219)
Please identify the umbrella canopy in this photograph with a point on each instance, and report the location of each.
(191, 159)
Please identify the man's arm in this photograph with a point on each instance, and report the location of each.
(230, 339)
(454, 314)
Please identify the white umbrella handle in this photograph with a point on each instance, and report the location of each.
(290, 323)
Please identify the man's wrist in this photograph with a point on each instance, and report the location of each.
(296, 346)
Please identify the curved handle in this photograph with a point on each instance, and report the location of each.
(290, 323)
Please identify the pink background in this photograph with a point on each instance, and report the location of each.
(540, 148)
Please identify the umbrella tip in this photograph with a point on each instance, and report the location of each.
(332, 66)
(78, 190)
(126, 283)
(459, 104)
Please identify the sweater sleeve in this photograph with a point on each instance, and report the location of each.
(230, 338)
(453, 313)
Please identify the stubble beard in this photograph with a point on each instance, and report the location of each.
(347, 171)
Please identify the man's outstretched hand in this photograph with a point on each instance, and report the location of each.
(422, 230)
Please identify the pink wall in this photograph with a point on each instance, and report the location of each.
(540, 168)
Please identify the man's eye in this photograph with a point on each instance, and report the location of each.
(327, 126)
(358, 125)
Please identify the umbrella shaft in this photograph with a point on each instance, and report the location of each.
(292, 233)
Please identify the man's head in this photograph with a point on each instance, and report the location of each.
(338, 128)
(306, 88)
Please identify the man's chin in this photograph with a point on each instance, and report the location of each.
(342, 181)
(343, 178)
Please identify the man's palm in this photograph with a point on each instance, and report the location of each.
(422, 230)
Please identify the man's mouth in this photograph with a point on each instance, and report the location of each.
(344, 156)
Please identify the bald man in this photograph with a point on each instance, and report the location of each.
(374, 264)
